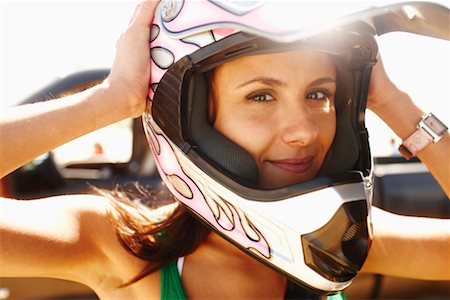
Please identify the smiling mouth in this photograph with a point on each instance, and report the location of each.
(297, 166)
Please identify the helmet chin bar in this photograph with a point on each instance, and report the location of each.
(336, 251)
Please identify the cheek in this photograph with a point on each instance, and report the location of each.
(327, 125)
(249, 133)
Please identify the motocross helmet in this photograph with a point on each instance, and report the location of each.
(316, 233)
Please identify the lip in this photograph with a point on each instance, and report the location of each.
(294, 165)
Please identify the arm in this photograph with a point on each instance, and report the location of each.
(64, 237)
(406, 246)
(31, 130)
(413, 247)
(55, 237)
(400, 113)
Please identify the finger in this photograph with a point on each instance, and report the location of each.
(143, 13)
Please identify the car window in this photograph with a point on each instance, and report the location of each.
(112, 144)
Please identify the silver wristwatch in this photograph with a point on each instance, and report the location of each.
(430, 129)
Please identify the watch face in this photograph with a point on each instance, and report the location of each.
(435, 125)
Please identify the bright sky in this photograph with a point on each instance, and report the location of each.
(43, 40)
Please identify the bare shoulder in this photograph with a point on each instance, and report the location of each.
(112, 265)
(66, 237)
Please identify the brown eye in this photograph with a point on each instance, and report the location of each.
(318, 95)
(260, 97)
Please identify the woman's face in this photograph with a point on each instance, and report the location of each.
(280, 108)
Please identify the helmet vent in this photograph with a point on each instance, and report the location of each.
(351, 233)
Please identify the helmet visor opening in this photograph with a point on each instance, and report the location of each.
(226, 155)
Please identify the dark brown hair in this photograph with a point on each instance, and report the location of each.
(153, 226)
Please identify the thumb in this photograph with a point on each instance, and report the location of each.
(143, 14)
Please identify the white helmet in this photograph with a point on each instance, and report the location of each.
(317, 233)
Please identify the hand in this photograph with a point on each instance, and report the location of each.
(130, 73)
(381, 88)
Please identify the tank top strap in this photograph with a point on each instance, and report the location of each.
(171, 285)
(180, 264)
(338, 296)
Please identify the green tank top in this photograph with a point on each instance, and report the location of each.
(172, 287)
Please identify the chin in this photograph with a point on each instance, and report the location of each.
(278, 182)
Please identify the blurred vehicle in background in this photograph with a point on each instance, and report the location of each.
(108, 156)
(119, 155)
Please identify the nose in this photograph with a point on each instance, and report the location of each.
(298, 127)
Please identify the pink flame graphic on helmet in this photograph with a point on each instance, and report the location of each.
(219, 14)
(167, 164)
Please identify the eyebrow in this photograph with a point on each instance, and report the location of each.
(322, 80)
(275, 82)
(263, 79)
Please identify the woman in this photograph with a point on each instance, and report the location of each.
(286, 121)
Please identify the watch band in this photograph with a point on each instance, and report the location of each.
(430, 129)
(414, 143)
